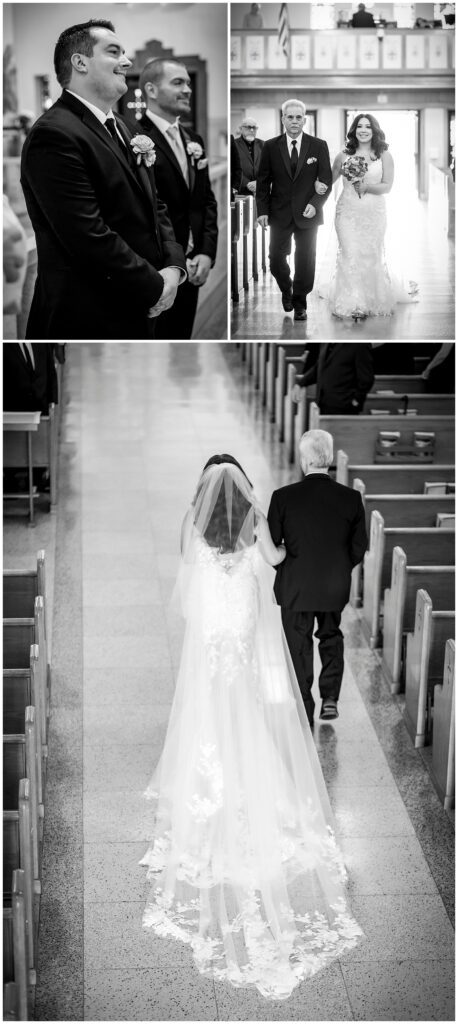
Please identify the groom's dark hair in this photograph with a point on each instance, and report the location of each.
(77, 39)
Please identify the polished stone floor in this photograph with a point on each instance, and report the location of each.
(138, 425)
(417, 249)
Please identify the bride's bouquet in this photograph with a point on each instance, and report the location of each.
(354, 169)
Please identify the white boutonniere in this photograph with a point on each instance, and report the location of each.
(312, 160)
(144, 149)
(202, 163)
(195, 151)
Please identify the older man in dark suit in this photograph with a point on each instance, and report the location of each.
(343, 374)
(287, 202)
(108, 260)
(322, 525)
(181, 172)
(250, 149)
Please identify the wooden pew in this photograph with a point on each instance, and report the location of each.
(400, 604)
(15, 945)
(443, 743)
(423, 546)
(20, 761)
(396, 479)
(357, 435)
(425, 664)
(18, 637)
(21, 587)
(288, 356)
(424, 405)
(236, 250)
(17, 853)
(404, 385)
(10, 1001)
(44, 450)
(408, 509)
(398, 509)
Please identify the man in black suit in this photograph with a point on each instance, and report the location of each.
(322, 525)
(29, 377)
(250, 149)
(108, 260)
(287, 201)
(362, 18)
(182, 179)
(343, 374)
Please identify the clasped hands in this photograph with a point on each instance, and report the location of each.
(171, 277)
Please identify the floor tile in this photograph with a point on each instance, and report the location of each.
(401, 927)
(323, 997)
(385, 866)
(134, 724)
(119, 686)
(401, 990)
(117, 621)
(167, 993)
(112, 873)
(137, 652)
(369, 811)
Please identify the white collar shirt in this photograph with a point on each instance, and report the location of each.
(290, 141)
(97, 112)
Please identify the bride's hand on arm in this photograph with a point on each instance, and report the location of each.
(320, 188)
(270, 552)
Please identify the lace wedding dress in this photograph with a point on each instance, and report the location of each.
(243, 860)
(361, 282)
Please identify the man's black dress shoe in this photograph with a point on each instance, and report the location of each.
(287, 301)
(300, 313)
(329, 709)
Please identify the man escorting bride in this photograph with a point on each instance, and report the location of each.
(243, 861)
(287, 198)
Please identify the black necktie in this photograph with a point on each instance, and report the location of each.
(110, 124)
(294, 157)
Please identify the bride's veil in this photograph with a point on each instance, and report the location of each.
(222, 514)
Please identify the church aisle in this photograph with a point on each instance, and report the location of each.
(140, 422)
(417, 249)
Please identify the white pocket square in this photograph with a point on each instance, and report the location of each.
(312, 160)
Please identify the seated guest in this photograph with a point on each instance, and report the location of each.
(29, 377)
(183, 183)
(439, 374)
(253, 20)
(29, 385)
(362, 18)
(250, 149)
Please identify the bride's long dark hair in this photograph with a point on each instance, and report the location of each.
(219, 534)
(378, 137)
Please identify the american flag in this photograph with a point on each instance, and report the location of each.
(283, 29)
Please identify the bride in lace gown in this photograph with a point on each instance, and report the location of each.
(242, 859)
(362, 285)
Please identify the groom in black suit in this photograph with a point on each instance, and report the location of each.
(182, 182)
(322, 525)
(287, 201)
(108, 260)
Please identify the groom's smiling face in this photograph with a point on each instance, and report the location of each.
(105, 76)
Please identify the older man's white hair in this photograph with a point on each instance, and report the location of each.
(316, 448)
(293, 103)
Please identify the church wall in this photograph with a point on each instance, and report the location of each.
(299, 13)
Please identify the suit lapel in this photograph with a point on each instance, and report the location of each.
(140, 170)
(137, 175)
(305, 146)
(161, 142)
(191, 169)
(283, 145)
